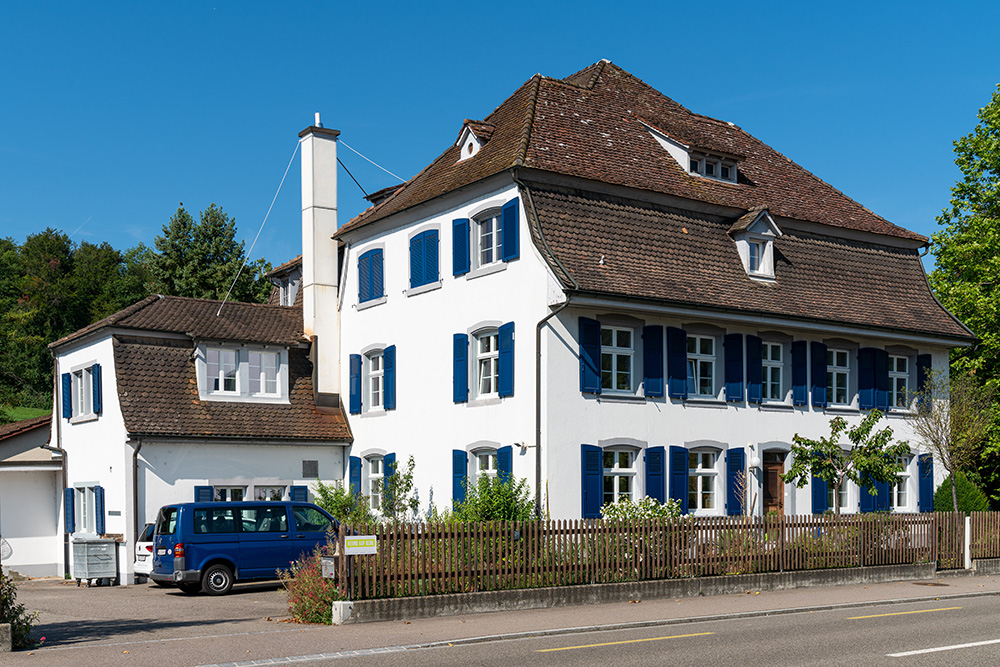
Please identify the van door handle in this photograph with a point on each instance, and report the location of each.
(284, 537)
(300, 536)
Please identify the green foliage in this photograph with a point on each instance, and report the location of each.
(310, 595)
(346, 506)
(647, 508)
(11, 612)
(872, 456)
(970, 498)
(498, 498)
(399, 498)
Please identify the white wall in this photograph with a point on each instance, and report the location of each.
(35, 536)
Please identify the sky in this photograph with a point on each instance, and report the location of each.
(115, 113)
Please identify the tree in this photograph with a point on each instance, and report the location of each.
(498, 498)
(201, 259)
(399, 499)
(872, 456)
(953, 420)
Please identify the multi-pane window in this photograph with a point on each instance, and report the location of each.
(488, 238)
(230, 493)
(616, 358)
(899, 490)
(701, 480)
(837, 373)
(374, 375)
(488, 362)
(898, 375)
(222, 366)
(83, 399)
(771, 369)
(486, 464)
(619, 475)
(263, 373)
(831, 499)
(701, 365)
(756, 256)
(268, 492)
(374, 481)
(86, 514)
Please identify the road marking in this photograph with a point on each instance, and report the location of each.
(942, 648)
(627, 641)
(903, 613)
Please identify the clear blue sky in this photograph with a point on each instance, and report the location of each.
(112, 113)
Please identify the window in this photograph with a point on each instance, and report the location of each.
(370, 277)
(488, 239)
(616, 358)
(311, 520)
(837, 373)
(81, 393)
(374, 481)
(488, 363)
(701, 480)
(229, 493)
(900, 497)
(216, 520)
(619, 475)
(899, 398)
(264, 373)
(222, 370)
(771, 368)
(711, 166)
(242, 374)
(264, 519)
(268, 492)
(486, 463)
(374, 377)
(85, 514)
(701, 366)
(831, 500)
(756, 256)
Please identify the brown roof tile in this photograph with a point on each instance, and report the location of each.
(23, 426)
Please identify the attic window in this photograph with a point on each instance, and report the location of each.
(754, 234)
(712, 166)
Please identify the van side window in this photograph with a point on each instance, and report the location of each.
(166, 522)
(310, 520)
(209, 521)
(264, 519)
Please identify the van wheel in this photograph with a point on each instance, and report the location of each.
(190, 589)
(217, 580)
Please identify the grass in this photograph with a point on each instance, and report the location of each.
(17, 414)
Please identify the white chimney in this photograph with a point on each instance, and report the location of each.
(319, 255)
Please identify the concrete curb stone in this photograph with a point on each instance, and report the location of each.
(6, 639)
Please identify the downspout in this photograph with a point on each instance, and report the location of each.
(57, 420)
(135, 491)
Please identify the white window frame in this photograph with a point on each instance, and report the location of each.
(222, 493)
(374, 474)
(834, 371)
(82, 392)
(700, 164)
(243, 370)
(85, 508)
(701, 476)
(899, 382)
(267, 490)
(486, 463)
(262, 380)
(374, 375)
(695, 368)
(771, 368)
(616, 353)
(486, 362)
(900, 490)
(495, 247)
(844, 496)
(217, 384)
(618, 474)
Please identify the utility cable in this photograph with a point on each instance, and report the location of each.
(402, 180)
(352, 177)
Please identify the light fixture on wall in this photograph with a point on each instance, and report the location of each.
(754, 462)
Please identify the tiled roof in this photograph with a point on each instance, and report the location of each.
(286, 267)
(620, 247)
(592, 125)
(246, 322)
(158, 392)
(23, 426)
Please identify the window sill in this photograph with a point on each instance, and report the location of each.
(843, 409)
(620, 398)
(420, 289)
(776, 406)
(92, 416)
(899, 413)
(379, 412)
(245, 398)
(480, 402)
(495, 267)
(706, 402)
(371, 303)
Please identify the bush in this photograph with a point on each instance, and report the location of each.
(310, 595)
(351, 508)
(970, 499)
(496, 499)
(11, 612)
(647, 508)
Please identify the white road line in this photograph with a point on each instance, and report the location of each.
(942, 648)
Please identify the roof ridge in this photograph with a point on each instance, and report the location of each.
(529, 121)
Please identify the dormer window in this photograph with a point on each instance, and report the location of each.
(230, 372)
(712, 166)
(473, 137)
(754, 234)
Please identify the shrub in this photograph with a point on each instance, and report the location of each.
(970, 499)
(647, 508)
(310, 595)
(344, 505)
(496, 499)
(11, 612)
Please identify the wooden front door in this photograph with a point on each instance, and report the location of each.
(774, 487)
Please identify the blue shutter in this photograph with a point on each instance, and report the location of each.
(800, 375)
(866, 378)
(736, 459)
(389, 377)
(882, 499)
(818, 352)
(69, 510)
(505, 463)
(417, 276)
(459, 472)
(509, 230)
(298, 494)
(677, 364)
(67, 397)
(431, 255)
(204, 494)
(377, 288)
(867, 502)
(819, 495)
(679, 476)
(655, 473)
(652, 361)
(923, 378)
(505, 383)
(365, 277)
(755, 369)
(590, 356)
(591, 468)
(388, 470)
(354, 475)
(98, 406)
(460, 367)
(460, 246)
(925, 474)
(882, 380)
(99, 510)
(355, 384)
(733, 346)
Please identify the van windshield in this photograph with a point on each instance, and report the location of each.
(166, 521)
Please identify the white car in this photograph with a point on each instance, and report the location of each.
(144, 551)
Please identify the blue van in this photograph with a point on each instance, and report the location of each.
(208, 546)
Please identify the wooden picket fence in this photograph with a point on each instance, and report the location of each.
(984, 534)
(436, 558)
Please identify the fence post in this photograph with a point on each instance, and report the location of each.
(968, 542)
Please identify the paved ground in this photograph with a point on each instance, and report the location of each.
(123, 625)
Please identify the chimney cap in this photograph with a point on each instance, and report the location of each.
(312, 129)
